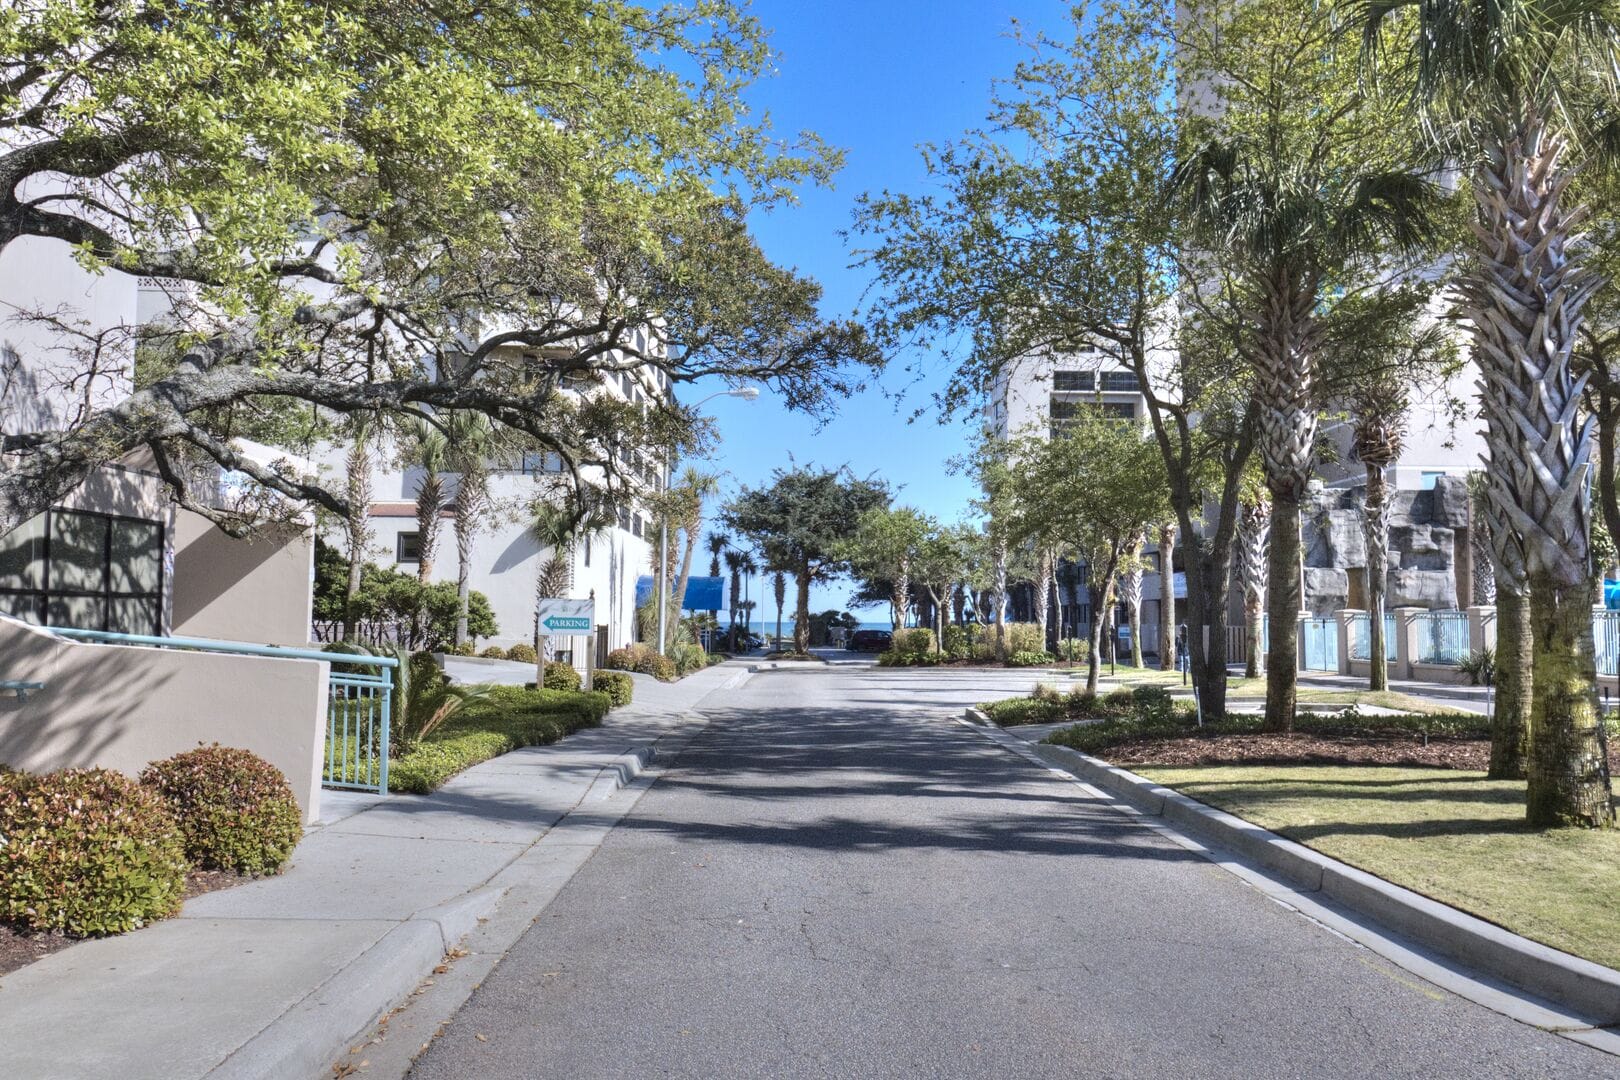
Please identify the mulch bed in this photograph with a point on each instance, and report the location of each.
(1473, 755)
(19, 947)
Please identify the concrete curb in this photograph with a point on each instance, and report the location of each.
(526, 887)
(1587, 989)
(305, 1040)
(977, 716)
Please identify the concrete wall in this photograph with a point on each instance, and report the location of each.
(122, 707)
(257, 590)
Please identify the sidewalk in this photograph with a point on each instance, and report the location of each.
(273, 978)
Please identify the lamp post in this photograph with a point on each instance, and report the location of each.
(747, 393)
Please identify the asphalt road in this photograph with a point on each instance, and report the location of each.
(836, 881)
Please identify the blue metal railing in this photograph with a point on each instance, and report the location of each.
(359, 705)
(1442, 637)
(1606, 641)
(1321, 644)
(1361, 637)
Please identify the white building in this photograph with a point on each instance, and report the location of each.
(506, 557)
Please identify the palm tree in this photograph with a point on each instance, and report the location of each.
(690, 493)
(717, 542)
(470, 442)
(426, 449)
(1378, 429)
(1285, 225)
(1501, 77)
(1254, 528)
(734, 564)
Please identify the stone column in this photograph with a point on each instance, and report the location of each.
(1406, 641)
(1481, 627)
(1342, 617)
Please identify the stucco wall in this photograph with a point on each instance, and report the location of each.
(256, 590)
(121, 707)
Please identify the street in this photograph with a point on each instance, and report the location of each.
(837, 880)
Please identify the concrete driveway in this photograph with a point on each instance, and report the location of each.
(835, 880)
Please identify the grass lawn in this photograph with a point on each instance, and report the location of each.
(1453, 836)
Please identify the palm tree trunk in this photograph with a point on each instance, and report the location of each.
(1282, 610)
(1525, 304)
(902, 594)
(429, 503)
(1167, 597)
(998, 599)
(1043, 591)
(1376, 522)
(1514, 702)
(801, 612)
(678, 597)
(1568, 765)
(1130, 591)
(1254, 525)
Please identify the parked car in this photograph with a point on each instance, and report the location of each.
(870, 641)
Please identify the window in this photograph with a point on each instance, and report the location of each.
(1123, 412)
(408, 547)
(83, 570)
(635, 525)
(1068, 382)
(1427, 479)
(624, 519)
(1064, 410)
(1120, 380)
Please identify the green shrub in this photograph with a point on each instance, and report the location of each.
(1047, 692)
(87, 851)
(1077, 649)
(688, 658)
(1029, 659)
(493, 652)
(916, 641)
(499, 720)
(893, 658)
(466, 648)
(523, 654)
(561, 676)
(956, 641)
(618, 686)
(1025, 637)
(1479, 666)
(235, 809)
(646, 661)
(621, 659)
(1015, 711)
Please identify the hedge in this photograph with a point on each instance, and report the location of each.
(618, 686)
(507, 719)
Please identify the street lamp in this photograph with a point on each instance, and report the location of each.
(746, 393)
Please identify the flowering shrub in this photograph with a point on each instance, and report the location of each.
(87, 851)
(235, 809)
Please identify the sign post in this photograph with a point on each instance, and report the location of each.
(570, 619)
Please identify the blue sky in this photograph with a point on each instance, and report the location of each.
(876, 78)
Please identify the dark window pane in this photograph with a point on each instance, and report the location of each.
(79, 612)
(22, 556)
(137, 556)
(24, 606)
(78, 552)
(1071, 381)
(1119, 380)
(130, 616)
(408, 547)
